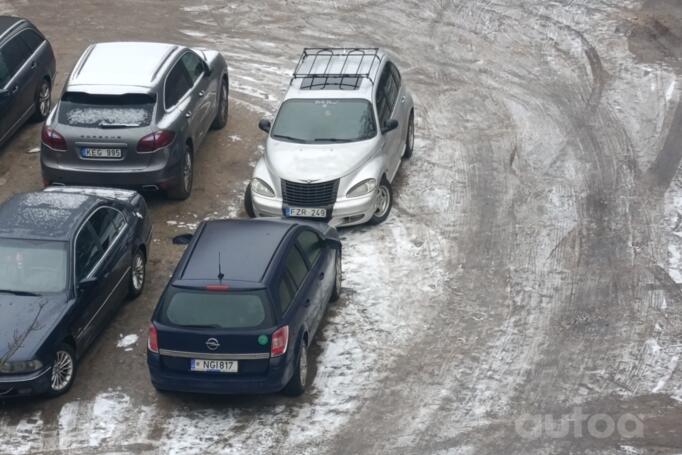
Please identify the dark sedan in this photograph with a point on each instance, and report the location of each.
(243, 306)
(27, 69)
(69, 257)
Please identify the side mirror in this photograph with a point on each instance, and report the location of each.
(182, 239)
(389, 125)
(264, 125)
(87, 283)
(4, 94)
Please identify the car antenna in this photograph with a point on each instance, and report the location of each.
(220, 269)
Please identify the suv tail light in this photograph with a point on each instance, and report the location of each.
(155, 141)
(280, 341)
(53, 139)
(153, 343)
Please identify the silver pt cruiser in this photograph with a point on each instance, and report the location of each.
(337, 141)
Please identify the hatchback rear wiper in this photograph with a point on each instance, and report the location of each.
(118, 125)
(22, 293)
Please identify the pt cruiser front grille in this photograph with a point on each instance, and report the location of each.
(310, 194)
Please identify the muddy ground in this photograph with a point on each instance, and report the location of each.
(531, 266)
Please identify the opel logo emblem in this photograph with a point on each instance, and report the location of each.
(212, 344)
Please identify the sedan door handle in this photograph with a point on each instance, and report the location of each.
(306, 303)
(188, 114)
(403, 99)
(14, 90)
(322, 276)
(34, 65)
(201, 93)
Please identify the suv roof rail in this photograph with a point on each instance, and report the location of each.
(344, 68)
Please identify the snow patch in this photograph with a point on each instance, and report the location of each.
(127, 341)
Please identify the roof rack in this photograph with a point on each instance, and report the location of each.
(342, 68)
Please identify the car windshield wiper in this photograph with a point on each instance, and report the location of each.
(201, 326)
(117, 125)
(290, 138)
(22, 293)
(331, 139)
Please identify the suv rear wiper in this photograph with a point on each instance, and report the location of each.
(118, 125)
(22, 293)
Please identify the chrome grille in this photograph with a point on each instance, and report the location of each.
(309, 194)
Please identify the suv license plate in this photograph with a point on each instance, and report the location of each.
(214, 366)
(304, 212)
(88, 152)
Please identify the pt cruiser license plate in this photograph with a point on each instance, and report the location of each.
(214, 366)
(305, 212)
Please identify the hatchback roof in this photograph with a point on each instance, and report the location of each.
(121, 63)
(246, 248)
(7, 22)
(40, 215)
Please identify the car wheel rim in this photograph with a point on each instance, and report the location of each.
(383, 201)
(303, 366)
(138, 272)
(44, 99)
(410, 136)
(223, 103)
(187, 172)
(62, 371)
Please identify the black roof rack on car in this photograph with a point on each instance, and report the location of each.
(338, 68)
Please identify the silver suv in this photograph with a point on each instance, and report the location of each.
(337, 140)
(134, 115)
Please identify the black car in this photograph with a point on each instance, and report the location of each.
(27, 69)
(69, 257)
(243, 307)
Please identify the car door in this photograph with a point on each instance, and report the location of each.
(386, 97)
(296, 271)
(179, 100)
(204, 111)
(401, 108)
(16, 82)
(321, 270)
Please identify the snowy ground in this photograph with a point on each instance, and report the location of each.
(530, 266)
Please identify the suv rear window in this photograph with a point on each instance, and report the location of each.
(106, 111)
(220, 310)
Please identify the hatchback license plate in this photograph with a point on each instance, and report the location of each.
(88, 152)
(215, 366)
(304, 212)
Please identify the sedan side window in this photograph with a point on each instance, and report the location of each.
(193, 65)
(311, 245)
(88, 251)
(296, 267)
(107, 223)
(177, 84)
(4, 70)
(15, 53)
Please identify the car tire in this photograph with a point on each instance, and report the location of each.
(63, 372)
(336, 292)
(248, 202)
(138, 274)
(220, 119)
(43, 101)
(409, 140)
(384, 202)
(183, 188)
(299, 380)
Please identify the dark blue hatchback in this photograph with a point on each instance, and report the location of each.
(243, 306)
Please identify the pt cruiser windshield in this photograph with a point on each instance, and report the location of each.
(320, 121)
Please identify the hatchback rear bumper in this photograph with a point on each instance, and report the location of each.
(277, 377)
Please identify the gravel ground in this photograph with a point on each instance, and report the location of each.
(530, 269)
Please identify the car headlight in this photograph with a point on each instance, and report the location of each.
(362, 188)
(260, 187)
(27, 366)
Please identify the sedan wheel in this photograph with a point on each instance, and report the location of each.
(63, 371)
(220, 119)
(384, 202)
(183, 188)
(43, 101)
(299, 380)
(409, 141)
(138, 271)
(336, 292)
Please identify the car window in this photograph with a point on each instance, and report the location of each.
(16, 52)
(311, 244)
(296, 267)
(286, 293)
(32, 39)
(395, 73)
(390, 88)
(106, 111)
(4, 70)
(383, 108)
(107, 223)
(33, 265)
(193, 65)
(88, 251)
(177, 84)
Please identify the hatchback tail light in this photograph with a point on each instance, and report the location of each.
(153, 343)
(155, 141)
(280, 341)
(53, 139)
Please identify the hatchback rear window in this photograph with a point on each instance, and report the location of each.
(106, 111)
(220, 310)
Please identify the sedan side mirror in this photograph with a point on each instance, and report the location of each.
(87, 283)
(4, 94)
(264, 125)
(389, 125)
(182, 239)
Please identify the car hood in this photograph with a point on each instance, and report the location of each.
(25, 323)
(318, 162)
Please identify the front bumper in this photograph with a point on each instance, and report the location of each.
(24, 385)
(278, 375)
(345, 211)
